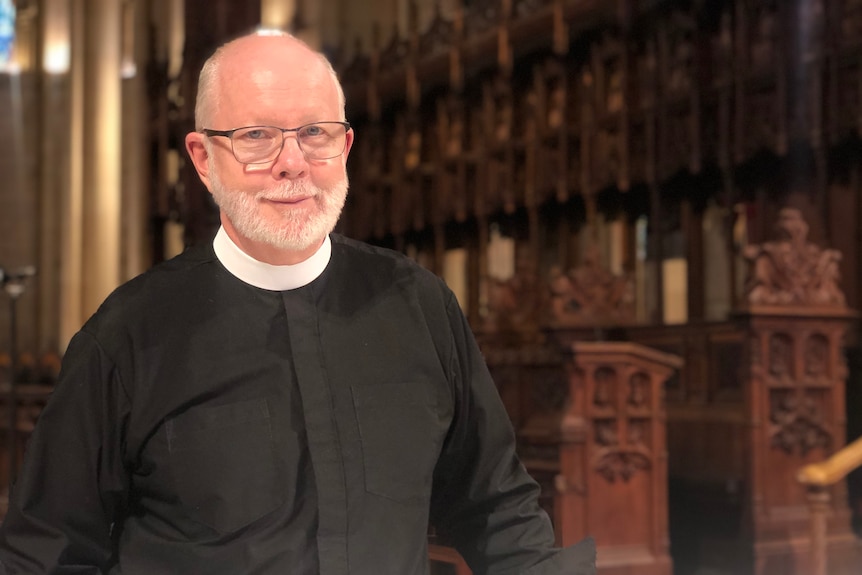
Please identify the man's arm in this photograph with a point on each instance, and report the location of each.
(72, 483)
(484, 501)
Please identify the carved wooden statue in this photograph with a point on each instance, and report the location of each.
(793, 271)
(591, 295)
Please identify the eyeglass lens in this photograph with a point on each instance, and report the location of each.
(320, 141)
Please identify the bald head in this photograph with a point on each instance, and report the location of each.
(261, 59)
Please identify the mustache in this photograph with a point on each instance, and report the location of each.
(288, 191)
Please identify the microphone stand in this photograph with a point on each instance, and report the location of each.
(13, 285)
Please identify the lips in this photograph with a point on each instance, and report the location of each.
(288, 201)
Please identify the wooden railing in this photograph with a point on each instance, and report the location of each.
(443, 555)
(817, 478)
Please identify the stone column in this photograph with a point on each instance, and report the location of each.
(71, 228)
(53, 171)
(103, 151)
(91, 216)
(136, 256)
(277, 14)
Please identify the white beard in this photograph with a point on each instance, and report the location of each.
(297, 230)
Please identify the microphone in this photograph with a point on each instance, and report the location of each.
(19, 274)
(24, 272)
(13, 281)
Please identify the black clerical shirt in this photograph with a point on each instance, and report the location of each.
(204, 425)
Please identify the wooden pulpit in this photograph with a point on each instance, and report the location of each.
(610, 442)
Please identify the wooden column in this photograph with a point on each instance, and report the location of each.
(794, 377)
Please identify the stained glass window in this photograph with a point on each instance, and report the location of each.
(7, 33)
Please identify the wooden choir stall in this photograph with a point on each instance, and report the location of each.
(600, 183)
(643, 207)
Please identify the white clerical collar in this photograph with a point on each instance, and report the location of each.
(267, 276)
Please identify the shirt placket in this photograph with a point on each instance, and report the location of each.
(322, 430)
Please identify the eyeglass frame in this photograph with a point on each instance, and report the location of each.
(229, 135)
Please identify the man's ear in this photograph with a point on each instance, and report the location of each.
(198, 154)
(348, 144)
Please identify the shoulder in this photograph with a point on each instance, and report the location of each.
(367, 254)
(373, 273)
(166, 285)
(368, 261)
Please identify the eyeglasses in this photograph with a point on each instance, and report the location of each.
(262, 144)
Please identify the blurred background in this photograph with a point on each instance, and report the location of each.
(677, 180)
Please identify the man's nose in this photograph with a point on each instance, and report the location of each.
(290, 162)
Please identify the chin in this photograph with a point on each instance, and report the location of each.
(295, 245)
(309, 237)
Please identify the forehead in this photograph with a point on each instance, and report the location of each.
(275, 82)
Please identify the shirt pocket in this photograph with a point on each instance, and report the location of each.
(401, 434)
(224, 464)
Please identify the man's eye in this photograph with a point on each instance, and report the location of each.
(255, 135)
(313, 131)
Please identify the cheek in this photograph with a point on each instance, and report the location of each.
(326, 175)
(222, 171)
(244, 182)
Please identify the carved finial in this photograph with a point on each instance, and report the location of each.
(590, 294)
(561, 29)
(412, 17)
(504, 52)
(458, 22)
(375, 36)
(791, 270)
(456, 69)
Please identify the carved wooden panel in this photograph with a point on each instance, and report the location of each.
(616, 394)
(590, 295)
(438, 37)
(622, 435)
(552, 122)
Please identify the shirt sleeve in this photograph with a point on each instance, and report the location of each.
(484, 502)
(72, 483)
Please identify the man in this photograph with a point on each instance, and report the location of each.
(283, 400)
